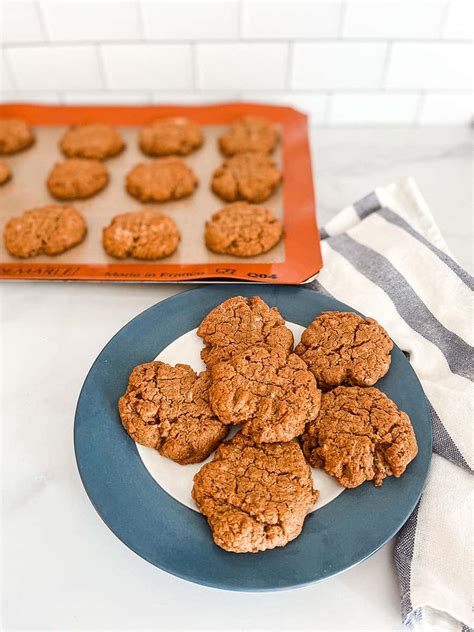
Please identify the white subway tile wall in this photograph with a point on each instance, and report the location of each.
(344, 62)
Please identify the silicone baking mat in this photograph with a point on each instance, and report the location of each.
(296, 259)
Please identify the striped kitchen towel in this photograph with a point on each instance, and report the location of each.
(386, 257)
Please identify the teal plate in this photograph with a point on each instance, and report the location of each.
(178, 540)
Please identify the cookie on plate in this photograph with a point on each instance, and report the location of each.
(360, 435)
(142, 235)
(249, 133)
(271, 394)
(15, 135)
(95, 141)
(250, 176)
(5, 173)
(168, 136)
(344, 348)
(243, 230)
(77, 179)
(255, 497)
(167, 408)
(239, 323)
(48, 230)
(161, 180)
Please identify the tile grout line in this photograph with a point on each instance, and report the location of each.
(42, 21)
(194, 67)
(386, 67)
(289, 65)
(342, 20)
(252, 41)
(101, 66)
(141, 22)
(419, 108)
(444, 20)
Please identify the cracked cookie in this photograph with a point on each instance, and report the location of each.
(50, 230)
(255, 497)
(249, 176)
(94, 141)
(165, 137)
(167, 408)
(243, 230)
(161, 180)
(5, 173)
(344, 348)
(271, 394)
(249, 133)
(240, 323)
(142, 235)
(77, 179)
(359, 435)
(15, 135)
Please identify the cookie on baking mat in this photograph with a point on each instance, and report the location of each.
(167, 408)
(5, 173)
(48, 230)
(96, 141)
(252, 177)
(271, 394)
(249, 133)
(243, 230)
(255, 496)
(141, 235)
(15, 135)
(360, 435)
(344, 348)
(161, 180)
(77, 179)
(239, 323)
(168, 136)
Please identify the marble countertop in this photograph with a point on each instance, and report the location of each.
(62, 568)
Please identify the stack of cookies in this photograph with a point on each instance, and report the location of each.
(314, 406)
(247, 177)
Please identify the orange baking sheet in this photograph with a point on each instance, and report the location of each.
(296, 260)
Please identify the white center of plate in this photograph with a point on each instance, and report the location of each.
(177, 480)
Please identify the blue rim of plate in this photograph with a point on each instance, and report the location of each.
(178, 540)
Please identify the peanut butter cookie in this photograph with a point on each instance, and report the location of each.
(142, 235)
(161, 180)
(77, 179)
(240, 323)
(249, 176)
(255, 497)
(359, 435)
(96, 141)
(344, 348)
(5, 173)
(15, 135)
(167, 408)
(249, 134)
(165, 137)
(243, 230)
(50, 230)
(271, 394)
